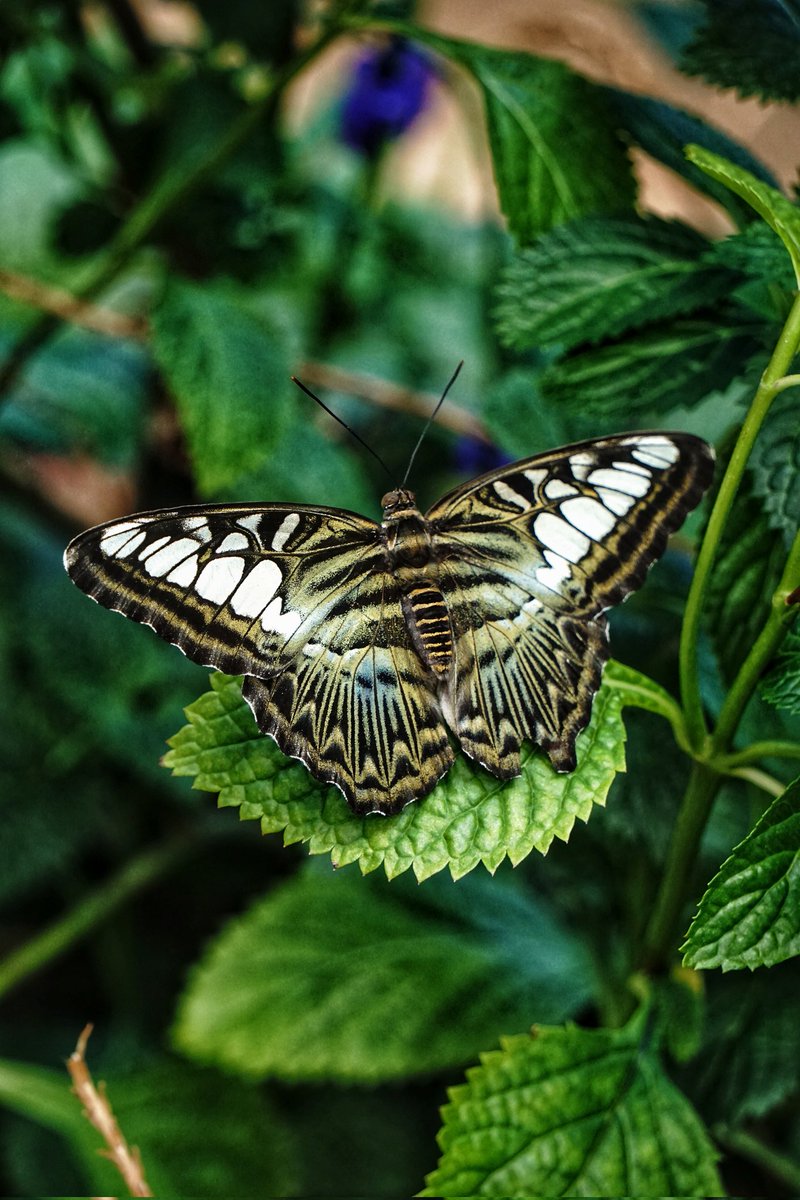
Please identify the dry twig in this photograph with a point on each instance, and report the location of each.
(98, 1111)
(62, 304)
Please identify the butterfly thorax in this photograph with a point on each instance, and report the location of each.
(412, 560)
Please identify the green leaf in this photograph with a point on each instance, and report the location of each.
(81, 394)
(593, 279)
(572, 1112)
(775, 464)
(771, 205)
(197, 1132)
(662, 131)
(229, 375)
(651, 372)
(749, 1061)
(747, 570)
(515, 416)
(555, 152)
(768, 286)
(470, 818)
(334, 977)
(750, 914)
(782, 686)
(753, 48)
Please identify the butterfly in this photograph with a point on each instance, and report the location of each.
(366, 647)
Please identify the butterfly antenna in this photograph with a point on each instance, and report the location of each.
(429, 422)
(344, 425)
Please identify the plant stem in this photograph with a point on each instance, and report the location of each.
(54, 941)
(781, 359)
(165, 197)
(783, 1169)
(659, 939)
(756, 751)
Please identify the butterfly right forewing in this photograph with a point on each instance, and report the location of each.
(531, 557)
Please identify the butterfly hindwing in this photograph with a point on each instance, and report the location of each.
(531, 556)
(298, 600)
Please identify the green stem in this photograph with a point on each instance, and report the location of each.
(788, 381)
(59, 937)
(756, 751)
(771, 380)
(165, 197)
(659, 939)
(782, 1169)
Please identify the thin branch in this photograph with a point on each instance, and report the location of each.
(760, 779)
(392, 396)
(63, 304)
(99, 1113)
(783, 1169)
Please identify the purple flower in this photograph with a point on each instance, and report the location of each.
(472, 457)
(387, 92)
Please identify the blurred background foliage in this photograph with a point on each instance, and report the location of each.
(349, 233)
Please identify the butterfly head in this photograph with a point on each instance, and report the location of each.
(399, 503)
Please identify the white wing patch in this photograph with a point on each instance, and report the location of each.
(589, 516)
(285, 531)
(561, 536)
(170, 556)
(219, 578)
(274, 620)
(256, 589)
(509, 495)
(233, 541)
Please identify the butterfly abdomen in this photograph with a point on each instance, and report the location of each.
(429, 623)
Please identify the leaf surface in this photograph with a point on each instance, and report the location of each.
(332, 977)
(470, 818)
(750, 914)
(555, 152)
(753, 48)
(572, 1112)
(782, 685)
(229, 375)
(593, 279)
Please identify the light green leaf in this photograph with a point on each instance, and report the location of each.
(770, 204)
(470, 818)
(657, 369)
(198, 1133)
(593, 279)
(334, 977)
(775, 464)
(229, 375)
(572, 1112)
(782, 686)
(515, 417)
(750, 914)
(556, 154)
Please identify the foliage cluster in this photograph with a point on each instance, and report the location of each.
(169, 254)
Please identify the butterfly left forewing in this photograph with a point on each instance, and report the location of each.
(297, 599)
(531, 556)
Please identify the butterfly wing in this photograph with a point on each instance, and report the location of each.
(299, 600)
(531, 555)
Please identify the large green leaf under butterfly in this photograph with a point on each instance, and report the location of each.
(366, 645)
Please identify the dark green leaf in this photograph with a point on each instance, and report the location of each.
(335, 977)
(749, 1061)
(771, 205)
(572, 1112)
(782, 686)
(750, 45)
(775, 463)
(768, 286)
(470, 818)
(593, 279)
(663, 132)
(81, 394)
(515, 416)
(750, 914)
(668, 366)
(229, 375)
(746, 573)
(556, 156)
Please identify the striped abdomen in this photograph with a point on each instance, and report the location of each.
(429, 623)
